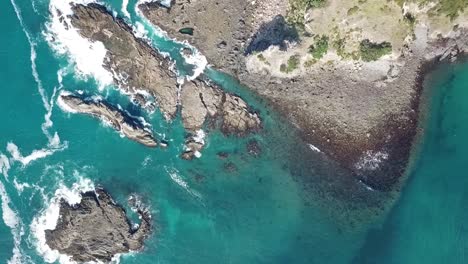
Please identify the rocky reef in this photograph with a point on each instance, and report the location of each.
(120, 121)
(136, 66)
(96, 229)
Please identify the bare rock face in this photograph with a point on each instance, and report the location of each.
(202, 101)
(96, 229)
(120, 121)
(136, 63)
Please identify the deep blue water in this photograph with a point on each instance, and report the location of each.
(272, 209)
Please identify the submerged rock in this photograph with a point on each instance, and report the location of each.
(96, 229)
(120, 121)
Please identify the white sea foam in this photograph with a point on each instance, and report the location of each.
(47, 219)
(314, 148)
(11, 219)
(371, 160)
(20, 186)
(4, 165)
(64, 106)
(65, 40)
(174, 174)
(25, 160)
(124, 8)
(197, 60)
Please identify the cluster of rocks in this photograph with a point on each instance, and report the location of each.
(138, 66)
(96, 229)
(120, 121)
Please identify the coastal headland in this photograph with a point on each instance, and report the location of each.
(347, 74)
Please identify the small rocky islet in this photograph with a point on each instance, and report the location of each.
(96, 229)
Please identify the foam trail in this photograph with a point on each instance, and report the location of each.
(35, 154)
(47, 219)
(124, 8)
(11, 219)
(4, 165)
(174, 174)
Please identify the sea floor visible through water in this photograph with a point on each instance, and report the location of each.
(274, 208)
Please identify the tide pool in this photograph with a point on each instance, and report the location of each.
(280, 207)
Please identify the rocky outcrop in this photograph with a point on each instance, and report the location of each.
(221, 29)
(130, 127)
(203, 102)
(137, 66)
(96, 229)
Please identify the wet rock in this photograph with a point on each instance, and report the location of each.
(192, 149)
(222, 155)
(237, 118)
(120, 121)
(230, 167)
(96, 229)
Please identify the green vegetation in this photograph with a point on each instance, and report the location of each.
(297, 9)
(310, 63)
(353, 10)
(293, 63)
(320, 47)
(451, 8)
(262, 58)
(373, 51)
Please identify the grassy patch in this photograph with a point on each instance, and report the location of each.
(310, 63)
(293, 64)
(320, 47)
(298, 8)
(373, 51)
(262, 58)
(353, 10)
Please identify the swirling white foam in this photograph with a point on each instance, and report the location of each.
(65, 40)
(175, 177)
(47, 219)
(11, 219)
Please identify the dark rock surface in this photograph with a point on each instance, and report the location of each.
(96, 229)
(120, 121)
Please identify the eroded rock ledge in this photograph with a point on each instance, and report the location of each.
(120, 121)
(96, 229)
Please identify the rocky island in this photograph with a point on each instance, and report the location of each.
(96, 229)
(120, 121)
(347, 73)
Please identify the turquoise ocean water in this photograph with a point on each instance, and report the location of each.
(276, 208)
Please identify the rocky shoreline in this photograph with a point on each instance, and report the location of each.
(362, 114)
(96, 229)
(120, 121)
(136, 67)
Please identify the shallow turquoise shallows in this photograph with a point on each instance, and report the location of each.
(270, 209)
